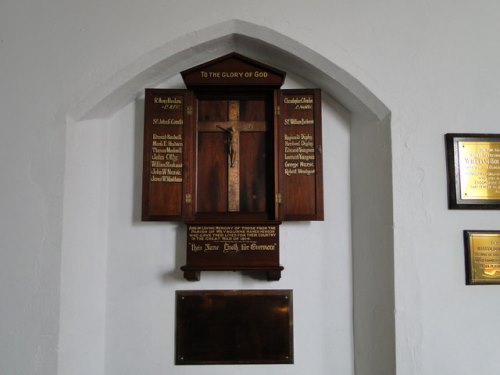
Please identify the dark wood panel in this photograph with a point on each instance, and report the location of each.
(253, 110)
(234, 327)
(212, 110)
(165, 200)
(254, 174)
(300, 154)
(211, 186)
(233, 70)
(165, 121)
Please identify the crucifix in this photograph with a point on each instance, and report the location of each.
(232, 127)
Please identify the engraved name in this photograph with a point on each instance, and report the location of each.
(299, 155)
(161, 100)
(166, 154)
(302, 121)
(299, 103)
(167, 121)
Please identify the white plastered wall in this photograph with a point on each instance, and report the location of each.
(143, 258)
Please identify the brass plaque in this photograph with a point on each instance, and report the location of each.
(234, 327)
(482, 250)
(474, 170)
(479, 169)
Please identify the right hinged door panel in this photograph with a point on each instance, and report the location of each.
(300, 167)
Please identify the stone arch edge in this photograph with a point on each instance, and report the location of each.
(255, 41)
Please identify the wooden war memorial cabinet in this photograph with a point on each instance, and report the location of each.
(232, 156)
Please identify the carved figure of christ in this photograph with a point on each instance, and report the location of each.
(232, 129)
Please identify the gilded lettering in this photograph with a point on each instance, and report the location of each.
(168, 100)
(302, 121)
(167, 121)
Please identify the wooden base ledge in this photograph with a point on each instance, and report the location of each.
(192, 273)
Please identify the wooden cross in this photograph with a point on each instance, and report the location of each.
(232, 128)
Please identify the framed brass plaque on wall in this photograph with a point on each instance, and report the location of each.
(482, 256)
(473, 162)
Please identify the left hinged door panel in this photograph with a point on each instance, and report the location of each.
(168, 135)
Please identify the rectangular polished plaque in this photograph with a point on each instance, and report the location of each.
(482, 257)
(234, 327)
(473, 171)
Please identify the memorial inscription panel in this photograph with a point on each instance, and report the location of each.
(473, 170)
(301, 174)
(165, 123)
(232, 247)
(232, 238)
(482, 254)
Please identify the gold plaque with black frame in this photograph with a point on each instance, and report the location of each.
(234, 327)
(482, 257)
(473, 162)
(232, 156)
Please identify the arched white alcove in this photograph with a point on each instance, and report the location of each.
(370, 176)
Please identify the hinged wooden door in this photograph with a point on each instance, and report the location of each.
(300, 167)
(168, 133)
